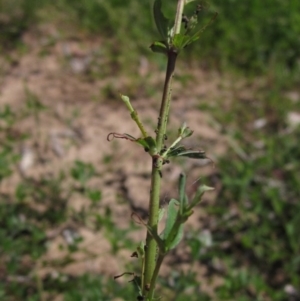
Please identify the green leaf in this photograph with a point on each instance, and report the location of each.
(177, 239)
(161, 213)
(174, 151)
(180, 41)
(173, 231)
(181, 151)
(183, 201)
(193, 154)
(161, 21)
(171, 218)
(141, 249)
(143, 143)
(198, 196)
(150, 142)
(159, 47)
(184, 131)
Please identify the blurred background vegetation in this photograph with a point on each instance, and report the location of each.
(256, 244)
(252, 36)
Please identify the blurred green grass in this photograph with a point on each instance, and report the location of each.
(250, 36)
(255, 221)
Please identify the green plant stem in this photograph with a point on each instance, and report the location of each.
(152, 264)
(154, 276)
(151, 245)
(166, 100)
(134, 115)
(178, 18)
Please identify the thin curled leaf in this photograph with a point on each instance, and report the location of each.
(113, 135)
(148, 143)
(125, 273)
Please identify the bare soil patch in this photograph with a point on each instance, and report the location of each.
(75, 125)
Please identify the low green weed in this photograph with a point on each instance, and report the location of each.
(263, 226)
(255, 243)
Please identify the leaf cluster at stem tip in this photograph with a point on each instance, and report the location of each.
(174, 36)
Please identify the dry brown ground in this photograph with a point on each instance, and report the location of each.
(75, 127)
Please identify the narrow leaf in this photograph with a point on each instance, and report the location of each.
(171, 218)
(160, 20)
(177, 238)
(148, 142)
(193, 154)
(182, 199)
(173, 231)
(141, 249)
(198, 196)
(161, 214)
(174, 151)
(181, 151)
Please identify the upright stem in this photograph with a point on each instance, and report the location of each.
(151, 246)
(152, 259)
(159, 261)
(178, 18)
(166, 101)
